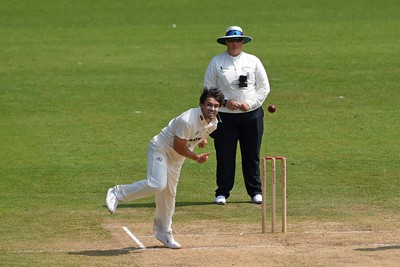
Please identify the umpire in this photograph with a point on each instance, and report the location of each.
(243, 80)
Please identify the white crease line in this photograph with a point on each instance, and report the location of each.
(65, 251)
(45, 251)
(349, 232)
(239, 247)
(191, 248)
(134, 237)
(220, 247)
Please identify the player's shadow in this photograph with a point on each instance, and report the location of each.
(177, 204)
(104, 252)
(185, 204)
(378, 248)
(111, 252)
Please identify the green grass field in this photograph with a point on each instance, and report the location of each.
(85, 84)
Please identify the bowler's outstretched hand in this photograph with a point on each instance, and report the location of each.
(201, 158)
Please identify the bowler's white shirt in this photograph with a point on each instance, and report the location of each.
(190, 125)
(223, 73)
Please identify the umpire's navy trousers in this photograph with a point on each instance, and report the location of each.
(247, 129)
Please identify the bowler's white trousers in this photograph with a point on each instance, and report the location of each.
(163, 171)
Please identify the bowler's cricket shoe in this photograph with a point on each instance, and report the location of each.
(111, 201)
(167, 239)
(257, 199)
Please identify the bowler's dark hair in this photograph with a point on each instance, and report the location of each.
(212, 92)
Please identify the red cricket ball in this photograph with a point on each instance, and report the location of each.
(271, 108)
